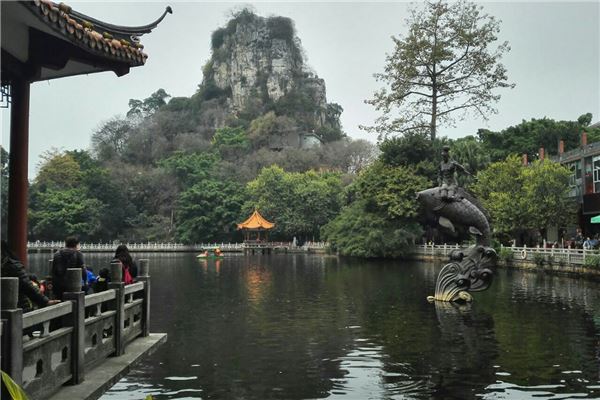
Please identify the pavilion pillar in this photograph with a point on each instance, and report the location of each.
(17, 169)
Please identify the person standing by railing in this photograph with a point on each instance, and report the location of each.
(130, 269)
(67, 257)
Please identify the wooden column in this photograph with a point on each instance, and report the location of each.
(17, 169)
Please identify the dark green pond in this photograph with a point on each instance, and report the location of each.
(309, 327)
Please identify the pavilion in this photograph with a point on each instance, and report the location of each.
(253, 226)
(42, 40)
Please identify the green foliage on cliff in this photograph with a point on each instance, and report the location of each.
(281, 28)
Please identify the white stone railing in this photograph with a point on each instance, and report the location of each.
(166, 247)
(140, 247)
(568, 255)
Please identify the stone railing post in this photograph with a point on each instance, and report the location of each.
(74, 294)
(116, 283)
(144, 276)
(12, 344)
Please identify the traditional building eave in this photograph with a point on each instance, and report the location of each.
(43, 40)
(51, 41)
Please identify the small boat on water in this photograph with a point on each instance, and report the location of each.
(210, 254)
(205, 256)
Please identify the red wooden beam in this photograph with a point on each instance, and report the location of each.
(17, 168)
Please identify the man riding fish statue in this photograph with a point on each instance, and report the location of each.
(451, 205)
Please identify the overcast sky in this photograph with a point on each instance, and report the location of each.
(554, 61)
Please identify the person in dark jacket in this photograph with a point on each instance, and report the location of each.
(130, 269)
(29, 293)
(67, 257)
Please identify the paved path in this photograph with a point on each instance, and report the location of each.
(100, 379)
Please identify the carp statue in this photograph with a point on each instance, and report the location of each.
(450, 205)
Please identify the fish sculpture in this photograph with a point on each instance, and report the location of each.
(471, 270)
(460, 211)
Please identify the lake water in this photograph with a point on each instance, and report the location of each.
(311, 327)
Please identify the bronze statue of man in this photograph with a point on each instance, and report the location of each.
(447, 176)
(470, 269)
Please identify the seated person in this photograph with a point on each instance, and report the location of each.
(91, 278)
(29, 294)
(101, 282)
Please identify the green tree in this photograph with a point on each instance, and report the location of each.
(413, 149)
(528, 136)
(62, 212)
(109, 141)
(57, 170)
(101, 185)
(208, 211)
(525, 198)
(547, 189)
(298, 203)
(231, 142)
(380, 219)
(446, 64)
(471, 154)
(67, 184)
(269, 129)
(189, 169)
(148, 106)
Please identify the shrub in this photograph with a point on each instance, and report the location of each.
(218, 38)
(506, 255)
(592, 261)
(281, 28)
(539, 259)
(210, 90)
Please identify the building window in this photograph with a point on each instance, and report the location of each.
(588, 179)
(596, 174)
(575, 181)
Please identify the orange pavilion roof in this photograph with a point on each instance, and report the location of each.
(256, 221)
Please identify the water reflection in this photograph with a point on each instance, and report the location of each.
(306, 327)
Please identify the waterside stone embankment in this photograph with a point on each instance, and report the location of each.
(570, 262)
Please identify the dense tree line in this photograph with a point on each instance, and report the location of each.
(359, 198)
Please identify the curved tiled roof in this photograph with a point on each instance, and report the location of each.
(256, 221)
(106, 40)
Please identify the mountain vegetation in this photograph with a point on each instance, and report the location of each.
(188, 169)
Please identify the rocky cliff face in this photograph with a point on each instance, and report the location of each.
(257, 66)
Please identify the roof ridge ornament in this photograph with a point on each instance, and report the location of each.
(124, 30)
